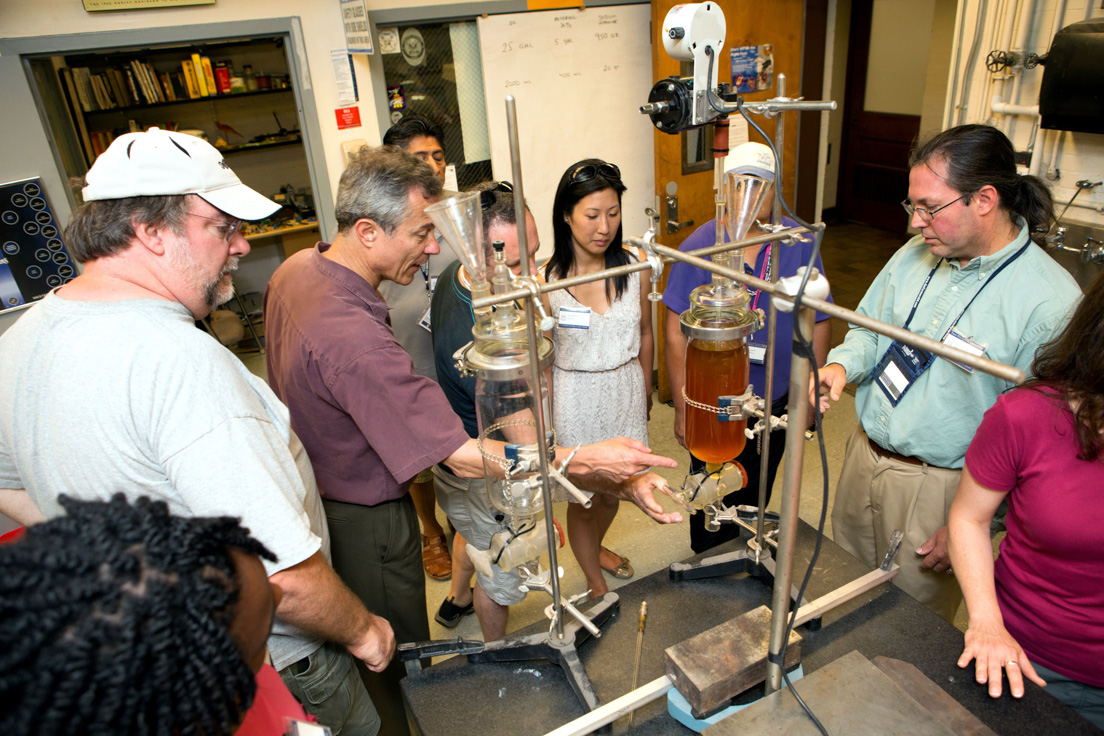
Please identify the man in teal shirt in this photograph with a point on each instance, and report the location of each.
(918, 412)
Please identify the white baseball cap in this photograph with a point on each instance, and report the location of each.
(751, 158)
(163, 163)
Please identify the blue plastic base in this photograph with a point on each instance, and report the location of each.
(680, 709)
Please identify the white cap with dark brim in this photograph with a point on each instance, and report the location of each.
(750, 158)
(165, 163)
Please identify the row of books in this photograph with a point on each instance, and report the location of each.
(136, 82)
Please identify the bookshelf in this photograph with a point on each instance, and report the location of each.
(235, 91)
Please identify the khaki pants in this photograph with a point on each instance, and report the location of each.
(876, 495)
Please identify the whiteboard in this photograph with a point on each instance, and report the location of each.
(579, 78)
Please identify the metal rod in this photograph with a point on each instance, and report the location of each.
(509, 296)
(992, 367)
(772, 322)
(798, 411)
(533, 334)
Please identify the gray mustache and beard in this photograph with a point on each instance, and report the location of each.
(216, 292)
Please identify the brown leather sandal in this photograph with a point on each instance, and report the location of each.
(436, 558)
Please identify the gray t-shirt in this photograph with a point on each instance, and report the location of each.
(97, 398)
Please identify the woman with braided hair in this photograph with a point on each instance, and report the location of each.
(124, 619)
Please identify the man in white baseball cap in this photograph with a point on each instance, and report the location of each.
(754, 159)
(106, 385)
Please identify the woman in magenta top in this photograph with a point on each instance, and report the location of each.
(1038, 612)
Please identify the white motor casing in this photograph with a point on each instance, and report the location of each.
(702, 24)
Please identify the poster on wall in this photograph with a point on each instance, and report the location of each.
(33, 259)
(358, 35)
(93, 6)
(752, 68)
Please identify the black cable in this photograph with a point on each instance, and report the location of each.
(802, 345)
(513, 535)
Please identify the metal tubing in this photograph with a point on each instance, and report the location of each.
(608, 273)
(532, 334)
(798, 410)
(772, 323)
(992, 367)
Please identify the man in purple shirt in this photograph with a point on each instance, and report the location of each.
(368, 422)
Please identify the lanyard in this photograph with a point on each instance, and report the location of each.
(424, 268)
(764, 275)
(992, 276)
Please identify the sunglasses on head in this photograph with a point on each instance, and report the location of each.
(488, 197)
(586, 172)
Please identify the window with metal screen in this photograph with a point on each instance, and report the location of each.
(435, 70)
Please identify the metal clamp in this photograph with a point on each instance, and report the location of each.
(655, 261)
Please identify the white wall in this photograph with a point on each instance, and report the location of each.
(894, 81)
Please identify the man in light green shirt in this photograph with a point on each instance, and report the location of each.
(972, 278)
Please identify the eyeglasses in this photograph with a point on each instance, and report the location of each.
(586, 172)
(925, 214)
(226, 229)
(488, 197)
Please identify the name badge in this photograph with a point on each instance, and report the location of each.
(757, 353)
(424, 322)
(899, 368)
(576, 318)
(956, 339)
(302, 728)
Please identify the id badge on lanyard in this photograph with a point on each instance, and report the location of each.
(757, 351)
(899, 368)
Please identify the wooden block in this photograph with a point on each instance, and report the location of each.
(716, 665)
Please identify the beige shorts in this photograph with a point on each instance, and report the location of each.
(425, 476)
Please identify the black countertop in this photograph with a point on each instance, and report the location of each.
(456, 698)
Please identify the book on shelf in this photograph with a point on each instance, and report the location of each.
(119, 86)
(101, 139)
(167, 86)
(209, 76)
(201, 78)
(84, 87)
(70, 87)
(190, 78)
(103, 96)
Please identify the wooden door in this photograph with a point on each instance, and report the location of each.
(874, 168)
(748, 23)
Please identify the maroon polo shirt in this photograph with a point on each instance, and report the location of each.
(368, 422)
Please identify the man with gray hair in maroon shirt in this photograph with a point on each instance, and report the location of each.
(369, 422)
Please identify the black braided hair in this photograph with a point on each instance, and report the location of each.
(114, 619)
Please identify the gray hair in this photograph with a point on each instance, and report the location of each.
(105, 227)
(377, 185)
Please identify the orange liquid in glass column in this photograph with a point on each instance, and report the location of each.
(715, 369)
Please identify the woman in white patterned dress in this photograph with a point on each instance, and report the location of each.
(602, 379)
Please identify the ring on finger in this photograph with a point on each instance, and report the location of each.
(1011, 663)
